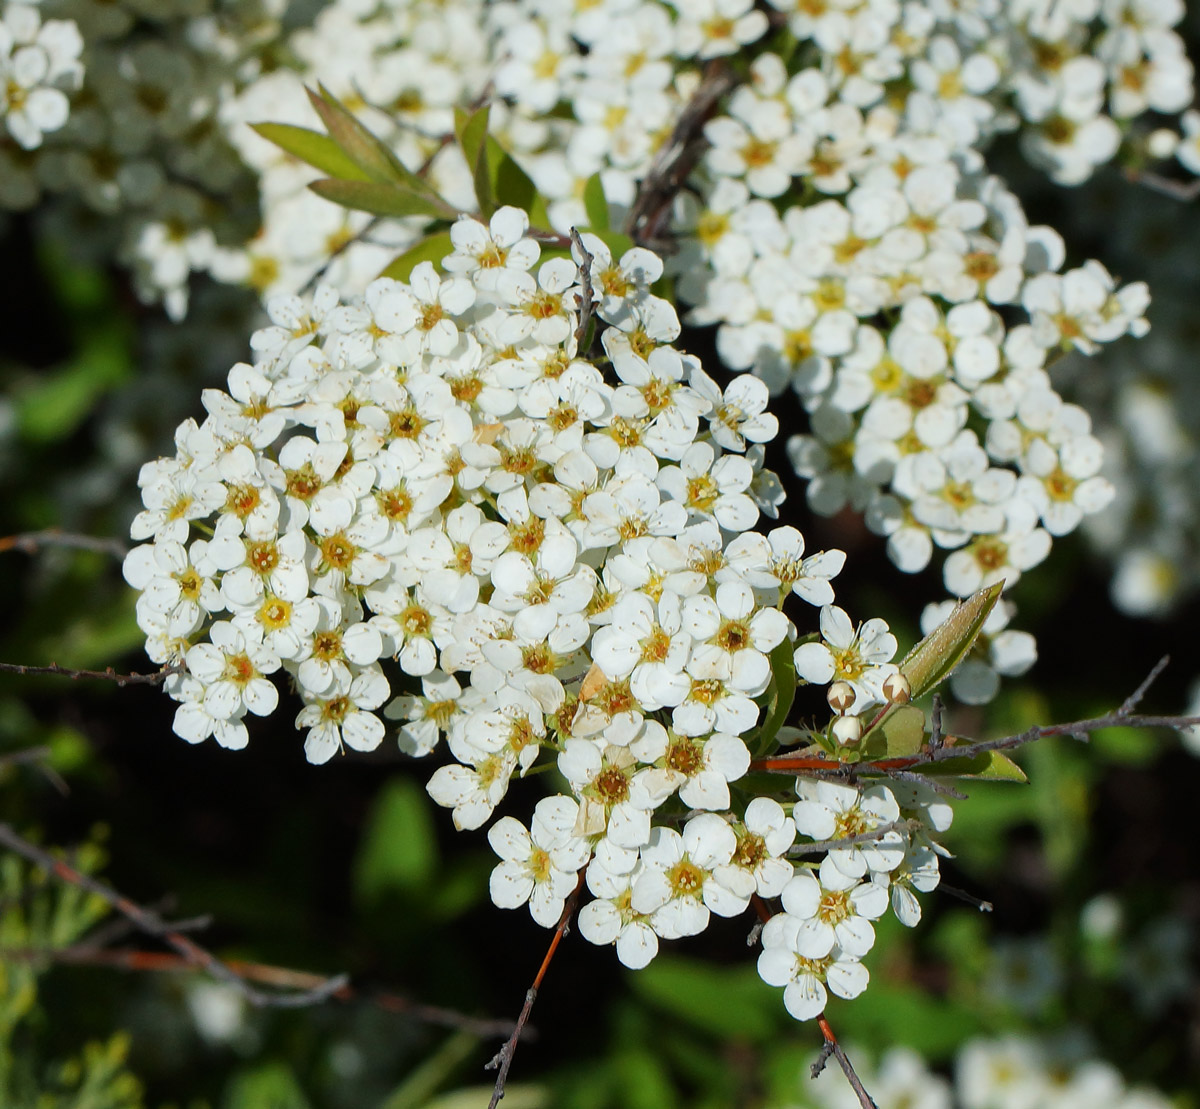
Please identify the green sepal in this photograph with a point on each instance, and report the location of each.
(932, 660)
(595, 203)
(369, 153)
(985, 764)
(433, 248)
(783, 693)
(314, 148)
(382, 199)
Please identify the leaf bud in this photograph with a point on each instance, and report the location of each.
(841, 697)
(847, 730)
(897, 689)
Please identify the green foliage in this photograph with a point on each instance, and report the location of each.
(729, 1002)
(782, 694)
(319, 151)
(433, 248)
(39, 914)
(933, 659)
(399, 850)
(270, 1085)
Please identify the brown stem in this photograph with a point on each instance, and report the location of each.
(108, 674)
(31, 542)
(153, 925)
(504, 1057)
(832, 1047)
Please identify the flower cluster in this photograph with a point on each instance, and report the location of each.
(989, 1074)
(39, 66)
(556, 548)
(840, 231)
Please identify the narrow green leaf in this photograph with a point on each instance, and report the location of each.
(596, 204)
(433, 248)
(472, 132)
(369, 153)
(421, 1083)
(512, 185)
(381, 199)
(932, 660)
(314, 148)
(783, 693)
(985, 764)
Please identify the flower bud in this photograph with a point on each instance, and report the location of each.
(841, 697)
(897, 689)
(847, 730)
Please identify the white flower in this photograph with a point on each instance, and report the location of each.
(700, 769)
(234, 672)
(539, 866)
(762, 842)
(833, 909)
(646, 643)
(918, 871)
(830, 810)
(805, 980)
(858, 656)
(733, 639)
(611, 918)
(343, 715)
(687, 876)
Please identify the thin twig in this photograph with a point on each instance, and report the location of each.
(849, 841)
(832, 1047)
(86, 954)
(30, 542)
(107, 674)
(935, 723)
(1187, 191)
(153, 925)
(1134, 699)
(676, 158)
(969, 898)
(504, 1057)
(1120, 717)
(585, 277)
(39, 758)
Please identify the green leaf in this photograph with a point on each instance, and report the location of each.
(902, 731)
(643, 1080)
(421, 1083)
(381, 199)
(399, 848)
(472, 132)
(362, 148)
(314, 148)
(985, 764)
(616, 241)
(932, 660)
(906, 1015)
(596, 204)
(783, 693)
(512, 185)
(433, 248)
(267, 1086)
(730, 1002)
